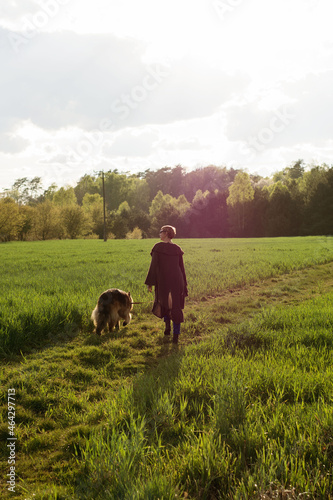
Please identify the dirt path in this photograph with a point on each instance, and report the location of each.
(237, 304)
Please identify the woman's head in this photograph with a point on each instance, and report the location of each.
(170, 231)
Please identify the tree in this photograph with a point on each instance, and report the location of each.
(27, 218)
(168, 214)
(64, 197)
(311, 180)
(92, 205)
(49, 192)
(216, 215)
(136, 193)
(121, 223)
(176, 181)
(35, 189)
(74, 221)
(209, 178)
(115, 189)
(296, 171)
(259, 206)
(10, 220)
(47, 223)
(241, 193)
(162, 180)
(141, 220)
(278, 220)
(182, 205)
(319, 207)
(207, 216)
(195, 219)
(159, 201)
(165, 209)
(86, 185)
(26, 191)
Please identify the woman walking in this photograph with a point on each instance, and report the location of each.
(167, 274)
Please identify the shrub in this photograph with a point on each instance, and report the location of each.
(136, 234)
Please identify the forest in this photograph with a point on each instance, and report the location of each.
(208, 202)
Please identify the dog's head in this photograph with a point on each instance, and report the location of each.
(128, 308)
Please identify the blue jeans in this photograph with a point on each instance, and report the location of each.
(176, 326)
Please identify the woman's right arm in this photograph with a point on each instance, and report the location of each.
(151, 278)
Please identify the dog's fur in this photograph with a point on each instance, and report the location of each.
(113, 305)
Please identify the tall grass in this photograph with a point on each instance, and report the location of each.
(224, 419)
(51, 287)
(245, 413)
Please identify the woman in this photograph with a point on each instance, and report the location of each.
(167, 274)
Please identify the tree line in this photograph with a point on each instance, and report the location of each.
(211, 202)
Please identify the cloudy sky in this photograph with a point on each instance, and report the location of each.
(132, 85)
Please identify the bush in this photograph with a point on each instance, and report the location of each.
(136, 234)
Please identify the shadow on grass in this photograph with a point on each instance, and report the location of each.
(31, 331)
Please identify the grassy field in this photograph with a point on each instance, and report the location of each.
(242, 408)
(51, 287)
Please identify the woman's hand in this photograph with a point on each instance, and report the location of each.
(149, 288)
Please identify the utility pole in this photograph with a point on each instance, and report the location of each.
(104, 215)
(101, 172)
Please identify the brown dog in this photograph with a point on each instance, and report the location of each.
(113, 305)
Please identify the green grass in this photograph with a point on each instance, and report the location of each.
(241, 409)
(51, 287)
(243, 412)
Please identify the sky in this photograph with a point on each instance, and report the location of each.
(103, 85)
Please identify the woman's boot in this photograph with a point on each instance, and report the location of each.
(176, 333)
(167, 322)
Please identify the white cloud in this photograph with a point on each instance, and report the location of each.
(190, 144)
(65, 79)
(313, 97)
(78, 80)
(127, 84)
(12, 144)
(14, 10)
(131, 143)
(301, 114)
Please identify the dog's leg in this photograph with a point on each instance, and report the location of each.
(114, 319)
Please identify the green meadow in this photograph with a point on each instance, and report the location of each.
(51, 287)
(241, 408)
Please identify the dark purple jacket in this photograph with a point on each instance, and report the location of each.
(167, 274)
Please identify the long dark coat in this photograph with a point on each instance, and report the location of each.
(167, 274)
